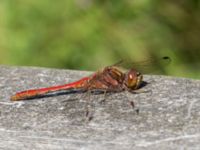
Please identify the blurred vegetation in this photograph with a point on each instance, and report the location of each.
(90, 34)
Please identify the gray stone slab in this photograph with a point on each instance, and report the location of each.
(169, 116)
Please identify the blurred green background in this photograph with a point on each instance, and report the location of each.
(90, 34)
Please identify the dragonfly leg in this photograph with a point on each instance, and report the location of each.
(88, 107)
(104, 97)
(132, 104)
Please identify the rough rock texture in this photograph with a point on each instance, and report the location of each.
(169, 116)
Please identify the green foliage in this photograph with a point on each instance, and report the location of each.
(87, 35)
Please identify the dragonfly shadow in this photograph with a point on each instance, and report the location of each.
(143, 84)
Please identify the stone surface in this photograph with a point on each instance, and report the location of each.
(169, 116)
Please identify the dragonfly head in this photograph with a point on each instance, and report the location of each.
(133, 79)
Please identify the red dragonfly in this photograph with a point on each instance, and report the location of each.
(109, 79)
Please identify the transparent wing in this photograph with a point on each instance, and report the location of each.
(151, 65)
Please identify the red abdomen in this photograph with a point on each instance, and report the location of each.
(33, 93)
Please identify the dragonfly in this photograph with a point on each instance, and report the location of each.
(109, 79)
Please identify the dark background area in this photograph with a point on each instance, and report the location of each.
(91, 34)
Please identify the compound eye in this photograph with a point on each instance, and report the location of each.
(130, 76)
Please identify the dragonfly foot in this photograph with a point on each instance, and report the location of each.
(137, 110)
(132, 104)
(88, 115)
(133, 107)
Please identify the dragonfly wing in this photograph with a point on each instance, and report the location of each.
(151, 65)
